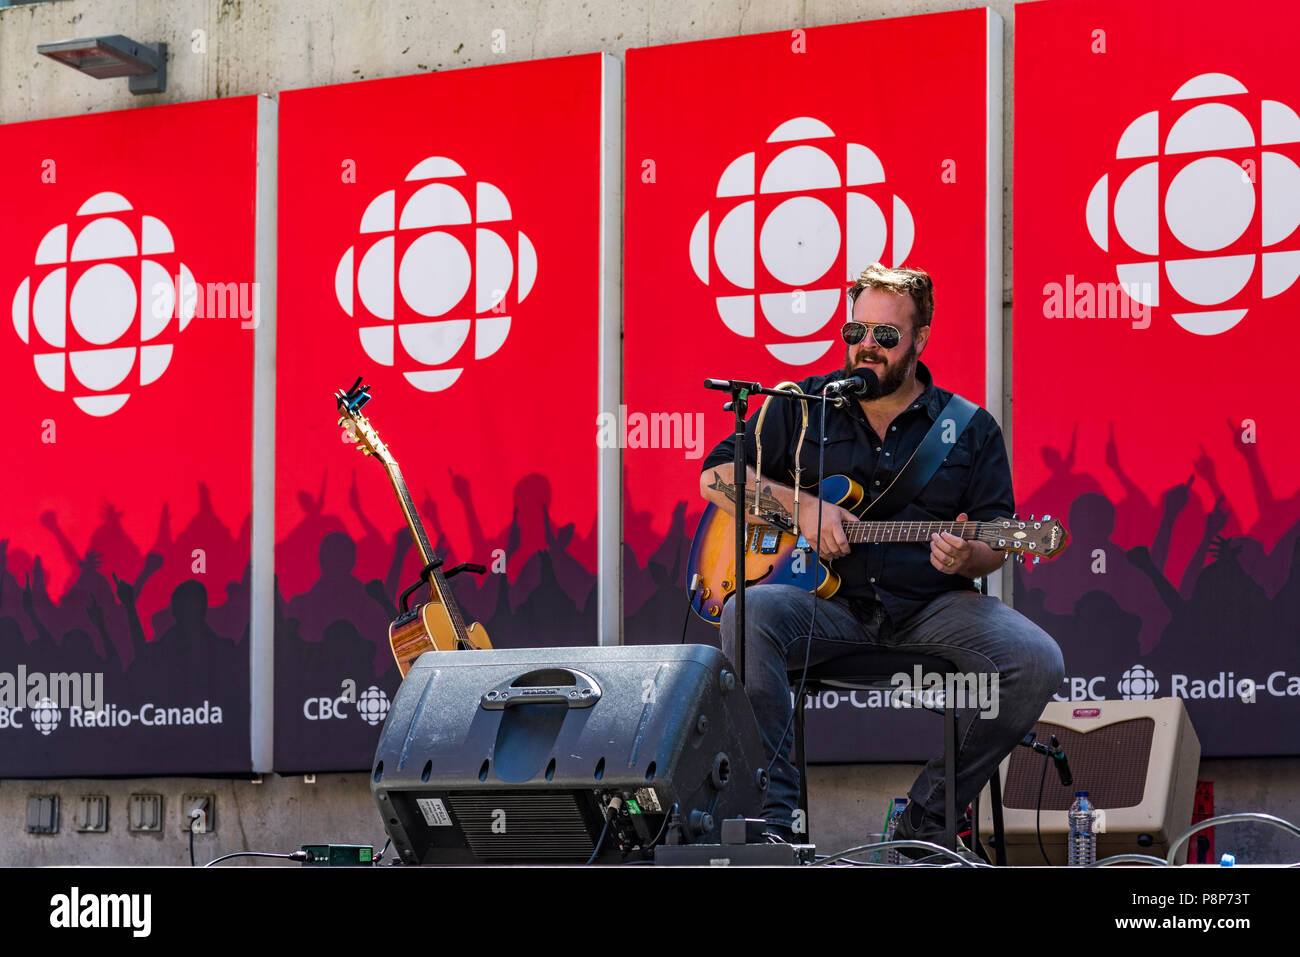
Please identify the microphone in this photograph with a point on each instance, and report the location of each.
(728, 385)
(863, 383)
(1062, 765)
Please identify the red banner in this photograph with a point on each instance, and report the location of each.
(763, 174)
(124, 547)
(440, 236)
(1157, 199)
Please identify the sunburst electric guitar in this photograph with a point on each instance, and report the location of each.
(775, 555)
(435, 625)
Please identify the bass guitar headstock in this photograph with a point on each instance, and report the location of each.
(349, 404)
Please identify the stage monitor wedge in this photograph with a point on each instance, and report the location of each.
(515, 755)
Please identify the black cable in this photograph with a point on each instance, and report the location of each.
(812, 621)
(1038, 812)
(293, 856)
(945, 853)
(382, 851)
(611, 811)
(662, 827)
(193, 820)
(690, 603)
(600, 840)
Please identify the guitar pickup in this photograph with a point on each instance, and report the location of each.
(769, 542)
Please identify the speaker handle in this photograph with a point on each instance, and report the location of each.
(543, 686)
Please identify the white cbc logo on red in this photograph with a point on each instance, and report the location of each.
(800, 240)
(115, 286)
(1208, 203)
(434, 274)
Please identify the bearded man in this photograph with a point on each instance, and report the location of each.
(904, 597)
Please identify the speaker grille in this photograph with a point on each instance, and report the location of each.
(528, 826)
(1109, 763)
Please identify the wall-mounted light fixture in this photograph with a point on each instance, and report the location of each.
(104, 57)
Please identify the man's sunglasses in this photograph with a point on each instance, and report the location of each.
(886, 336)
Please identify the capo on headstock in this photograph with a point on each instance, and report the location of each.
(355, 397)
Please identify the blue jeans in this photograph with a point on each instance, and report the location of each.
(976, 633)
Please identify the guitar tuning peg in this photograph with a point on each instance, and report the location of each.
(1037, 559)
(340, 420)
(1047, 518)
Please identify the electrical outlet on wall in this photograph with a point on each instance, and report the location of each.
(198, 811)
(144, 813)
(92, 815)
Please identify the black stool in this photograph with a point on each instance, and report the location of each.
(871, 669)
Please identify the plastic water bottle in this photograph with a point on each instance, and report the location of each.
(1083, 837)
(892, 856)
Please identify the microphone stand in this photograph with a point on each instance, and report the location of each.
(739, 404)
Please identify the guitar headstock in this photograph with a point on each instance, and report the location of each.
(349, 404)
(1035, 538)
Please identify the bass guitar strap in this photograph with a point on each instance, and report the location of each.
(925, 461)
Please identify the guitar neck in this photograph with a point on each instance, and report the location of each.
(875, 532)
(866, 532)
(408, 511)
(439, 583)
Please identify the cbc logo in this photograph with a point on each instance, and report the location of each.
(414, 252)
(372, 706)
(117, 288)
(826, 218)
(44, 717)
(325, 708)
(1082, 689)
(1208, 203)
(1138, 684)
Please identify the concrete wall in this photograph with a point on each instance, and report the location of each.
(264, 46)
(849, 803)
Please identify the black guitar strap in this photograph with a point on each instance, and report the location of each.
(925, 461)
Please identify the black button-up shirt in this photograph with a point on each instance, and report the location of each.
(974, 478)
